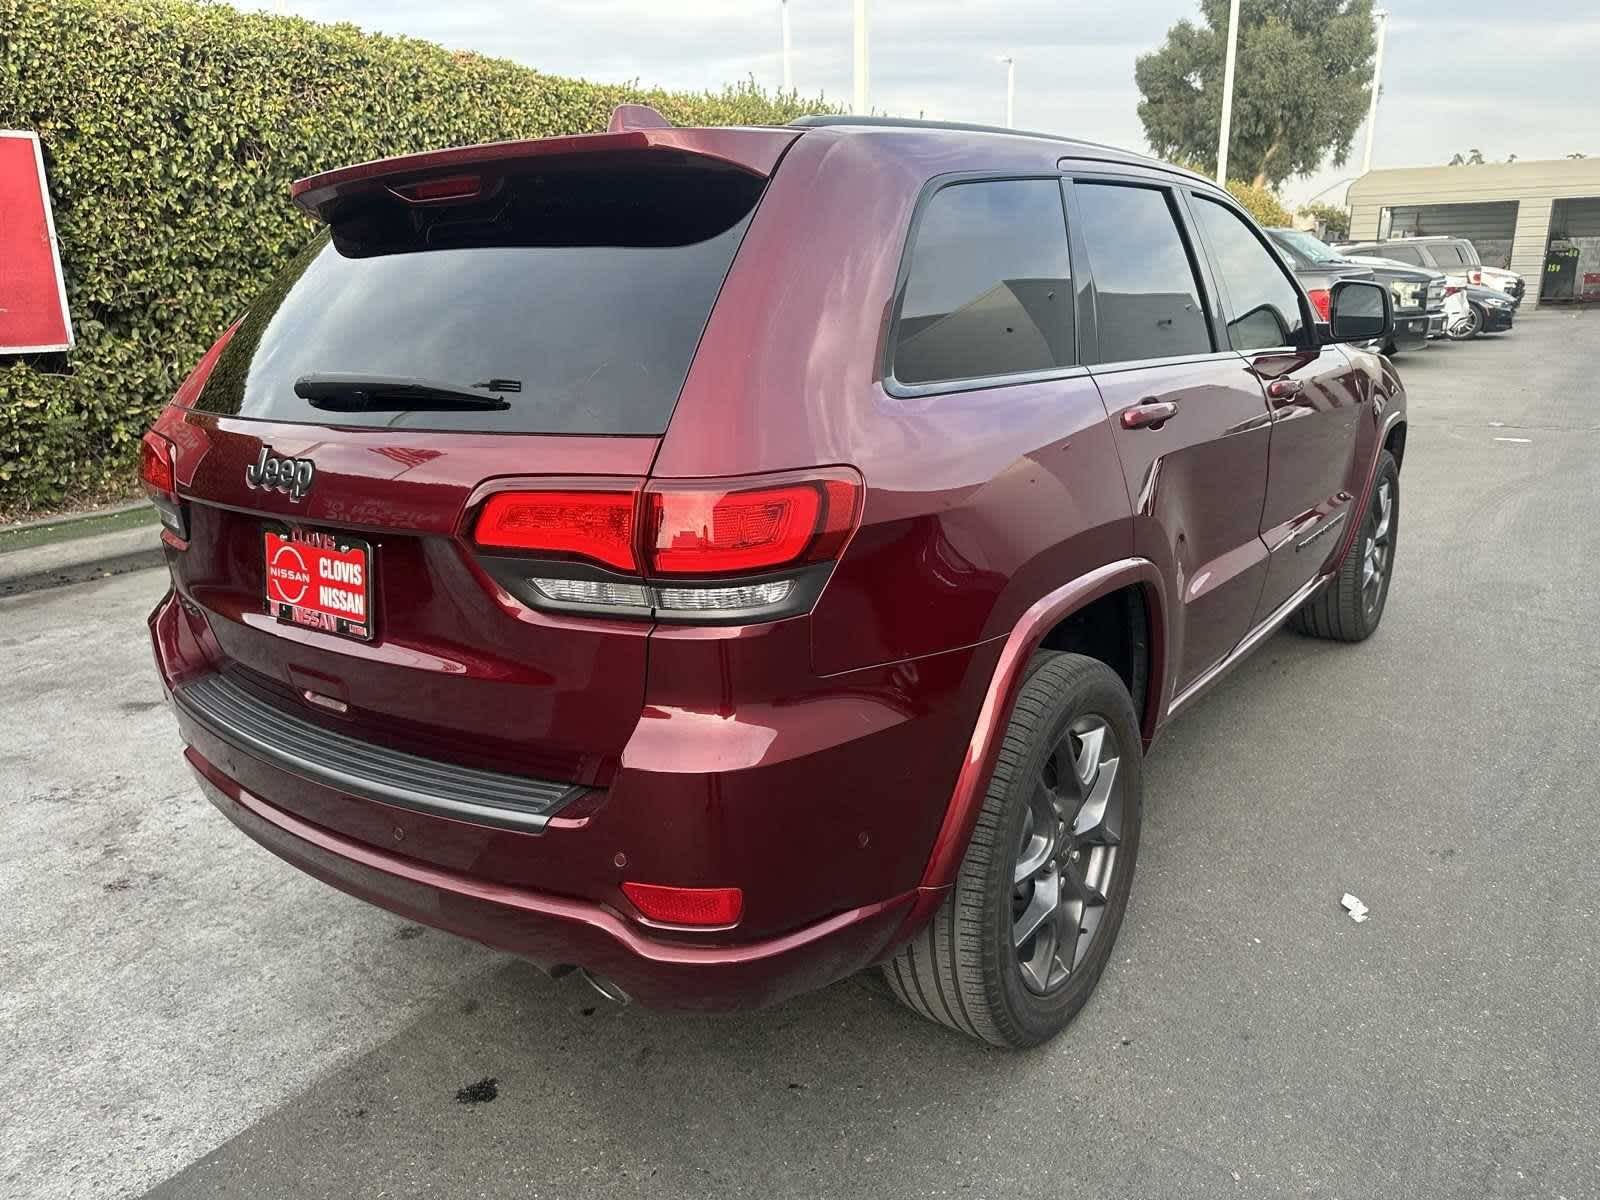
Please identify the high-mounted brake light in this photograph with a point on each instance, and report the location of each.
(592, 525)
(686, 906)
(437, 191)
(1321, 301)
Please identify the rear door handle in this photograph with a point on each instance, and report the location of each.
(1149, 414)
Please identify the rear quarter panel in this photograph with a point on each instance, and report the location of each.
(977, 502)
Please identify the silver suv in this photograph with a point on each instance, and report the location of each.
(1456, 257)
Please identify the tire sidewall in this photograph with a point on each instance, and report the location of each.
(1034, 1018)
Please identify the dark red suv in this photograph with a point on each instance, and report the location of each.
(720, 560)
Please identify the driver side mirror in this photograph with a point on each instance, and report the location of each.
(1359, 311)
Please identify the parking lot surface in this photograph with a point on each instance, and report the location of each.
(184, 1013)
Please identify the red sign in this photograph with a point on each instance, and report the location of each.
(33, 296)
(319, 581)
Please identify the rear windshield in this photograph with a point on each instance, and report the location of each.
(570, 302)
(1309, 247)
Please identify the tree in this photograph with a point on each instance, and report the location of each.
(1300, 86)
(1578, 154)
(1474, 158)
(1261, 202)
(1333, 220)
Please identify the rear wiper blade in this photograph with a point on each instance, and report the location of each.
(338, 392)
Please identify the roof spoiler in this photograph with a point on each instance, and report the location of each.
(633, 129)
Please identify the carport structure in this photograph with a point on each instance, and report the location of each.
(1512, 212)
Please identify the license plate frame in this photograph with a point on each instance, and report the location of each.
(319, 580)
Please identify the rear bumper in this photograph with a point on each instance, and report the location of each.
(556, 932)
(824, 813)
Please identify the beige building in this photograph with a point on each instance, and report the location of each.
(1513, 212)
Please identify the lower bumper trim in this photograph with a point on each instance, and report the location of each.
(556, 931)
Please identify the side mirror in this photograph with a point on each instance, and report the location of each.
(1359, 311)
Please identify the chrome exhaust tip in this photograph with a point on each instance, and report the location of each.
(605, 987)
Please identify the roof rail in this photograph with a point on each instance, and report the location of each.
(636, 116)
(823, 120)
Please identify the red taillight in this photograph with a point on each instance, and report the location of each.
(727, 551)
(593, 525)
(686, 906)
(699, 530)
(158, 472)
(1475, 277)
(435, 191)
(155, 465)
(1321, 302)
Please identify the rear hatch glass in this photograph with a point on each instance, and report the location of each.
(570, 301)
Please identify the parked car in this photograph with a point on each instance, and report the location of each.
(1315, 266)
(1456, 257)
(1416, 302)
(721, 560)
(1406, 285)
(1491, 311)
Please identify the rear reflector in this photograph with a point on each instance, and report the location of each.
(686, 906)
(592, 525)
(1320, 301)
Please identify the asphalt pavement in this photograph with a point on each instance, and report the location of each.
(183, 1015)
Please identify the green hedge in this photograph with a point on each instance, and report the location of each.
(171, 132)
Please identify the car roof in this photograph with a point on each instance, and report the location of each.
(942, 133)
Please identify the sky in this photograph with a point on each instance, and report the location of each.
(1502, 77)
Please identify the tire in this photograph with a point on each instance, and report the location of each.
(1473, 327)
(1350, 607)
(965, 969)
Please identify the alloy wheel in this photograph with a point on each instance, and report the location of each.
(1378, 548)
(1067, 854)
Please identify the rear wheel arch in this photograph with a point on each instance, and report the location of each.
(1395, 443)
(1050, 616)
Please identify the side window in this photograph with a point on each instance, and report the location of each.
(989, 290)
(1447, 255)
(1147, 302)
(1266, 305)
(1405, 254)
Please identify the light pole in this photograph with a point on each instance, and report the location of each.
(1011, 90)
(1377, 86)
(788, 73)
(860, 104)
(1226, 131)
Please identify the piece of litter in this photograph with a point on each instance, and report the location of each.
(1519, 441)
(1352, 905)
(1497, 424)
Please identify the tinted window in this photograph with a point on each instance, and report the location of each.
(989, 291)
(1305, 246)
(1405, 254)
(1447, 254)
(577, 299)
(1265, 304)
(1147, 303)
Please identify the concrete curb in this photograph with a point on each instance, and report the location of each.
(80, 558)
